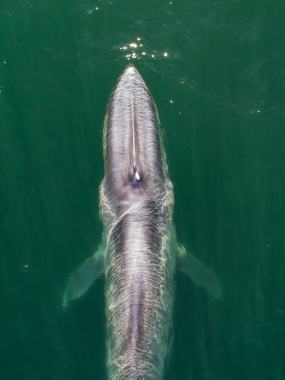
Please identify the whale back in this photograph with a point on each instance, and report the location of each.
(136, 199)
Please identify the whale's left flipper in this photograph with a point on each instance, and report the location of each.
(79, 282)
(198, 273)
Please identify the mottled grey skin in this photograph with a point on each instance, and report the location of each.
(139, 252)
(136, 201)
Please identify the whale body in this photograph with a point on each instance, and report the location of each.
(139, 252)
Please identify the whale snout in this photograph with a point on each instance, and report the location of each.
(131, 141)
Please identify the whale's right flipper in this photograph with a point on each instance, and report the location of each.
(198, 273)
(79, 282)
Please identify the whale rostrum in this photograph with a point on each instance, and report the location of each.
(139, 252)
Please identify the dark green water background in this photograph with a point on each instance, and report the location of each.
(220, 95)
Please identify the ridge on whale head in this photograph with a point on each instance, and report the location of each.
(134, 156)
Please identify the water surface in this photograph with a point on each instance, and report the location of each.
(216, 71)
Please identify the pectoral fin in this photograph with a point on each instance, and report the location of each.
(202, 276)
(79, 282)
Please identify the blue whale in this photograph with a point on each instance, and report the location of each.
(139, 252)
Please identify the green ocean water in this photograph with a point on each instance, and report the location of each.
(216, 70)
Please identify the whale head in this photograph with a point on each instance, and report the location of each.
(134, 157)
